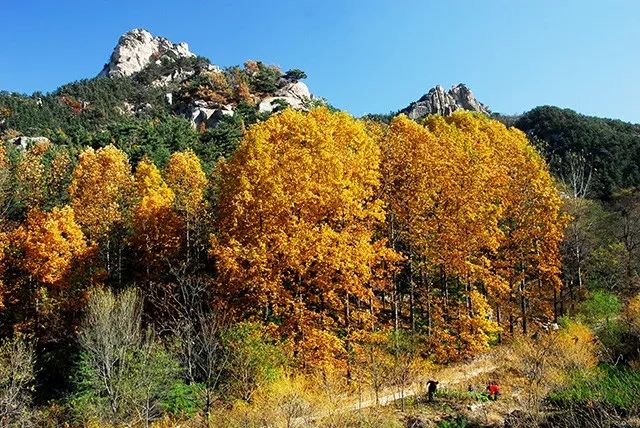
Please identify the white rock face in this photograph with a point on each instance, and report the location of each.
(295, 89)
(24, 142)
(296, 94)
(199, 112)
(137, 48)
(439, 101)
(176, 76)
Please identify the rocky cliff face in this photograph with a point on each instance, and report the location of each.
(196, 89)
(295, 94)
(138, 48)
(439, 101)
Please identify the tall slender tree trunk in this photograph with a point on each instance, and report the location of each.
(120, 264)
(424, 284)
(395, 309)
(348, 338)
(188, 239)
(523, 310)
(467, 291)
(523, 300)
(412, 315)
(511, 324)
(445, 286)
(373, 321)
(499, 321)
(108, 258)
(579, 269)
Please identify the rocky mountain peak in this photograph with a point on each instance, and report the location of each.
(138, 48)
(440, 101)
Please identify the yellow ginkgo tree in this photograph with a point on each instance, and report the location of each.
(156, 226)
(100, 193)
(51, 243)
(188, 182)
(297, 214)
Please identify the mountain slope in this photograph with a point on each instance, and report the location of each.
(607, 149)
(154, 97)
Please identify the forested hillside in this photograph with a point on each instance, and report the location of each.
(187, 245)
(605, 149)
(135, 116)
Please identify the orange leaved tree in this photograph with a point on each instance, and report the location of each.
(100, 196)
(188, 182)
(297, 211)
(156, 226)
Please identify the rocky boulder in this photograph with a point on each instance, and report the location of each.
(199, 112)
(24, 142)
(294, 94)
(138, 48)
(439, 101)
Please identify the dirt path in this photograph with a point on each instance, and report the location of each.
(448, 378)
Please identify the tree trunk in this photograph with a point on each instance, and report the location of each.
(523, 310)
(395, 308)
(511, 324)
(499, 323)
(523, 302)
(348, 340)
(411, 307)
(467, 291)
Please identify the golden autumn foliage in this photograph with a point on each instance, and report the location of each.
(297, 212)
(100, 189)
(157, 229)
(464, 332)
(52, 242)
(59, 176)
(537, 365)
(361, 247)
(187, 180)
(31, 176)
(475, 211)
(241, 89)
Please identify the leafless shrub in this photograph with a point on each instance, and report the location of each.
(16, 381)
(184, 314)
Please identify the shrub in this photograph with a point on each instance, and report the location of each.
(16, 380)
(608, 385)
(266, 79)
(367, 418)
(183, 400)
(632, 314)
(254, 360)
(123, 375)
(542, 364)
(600, 307)
(453, 422)
(295, 74)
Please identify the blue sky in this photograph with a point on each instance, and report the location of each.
(363, 56)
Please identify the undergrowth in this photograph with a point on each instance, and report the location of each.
(614, 386)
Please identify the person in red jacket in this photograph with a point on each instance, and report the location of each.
(493, 390)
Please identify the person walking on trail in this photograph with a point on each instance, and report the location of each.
(493, 390)
(432, 387)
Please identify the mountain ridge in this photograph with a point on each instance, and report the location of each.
(439, 101)
(150, 79)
